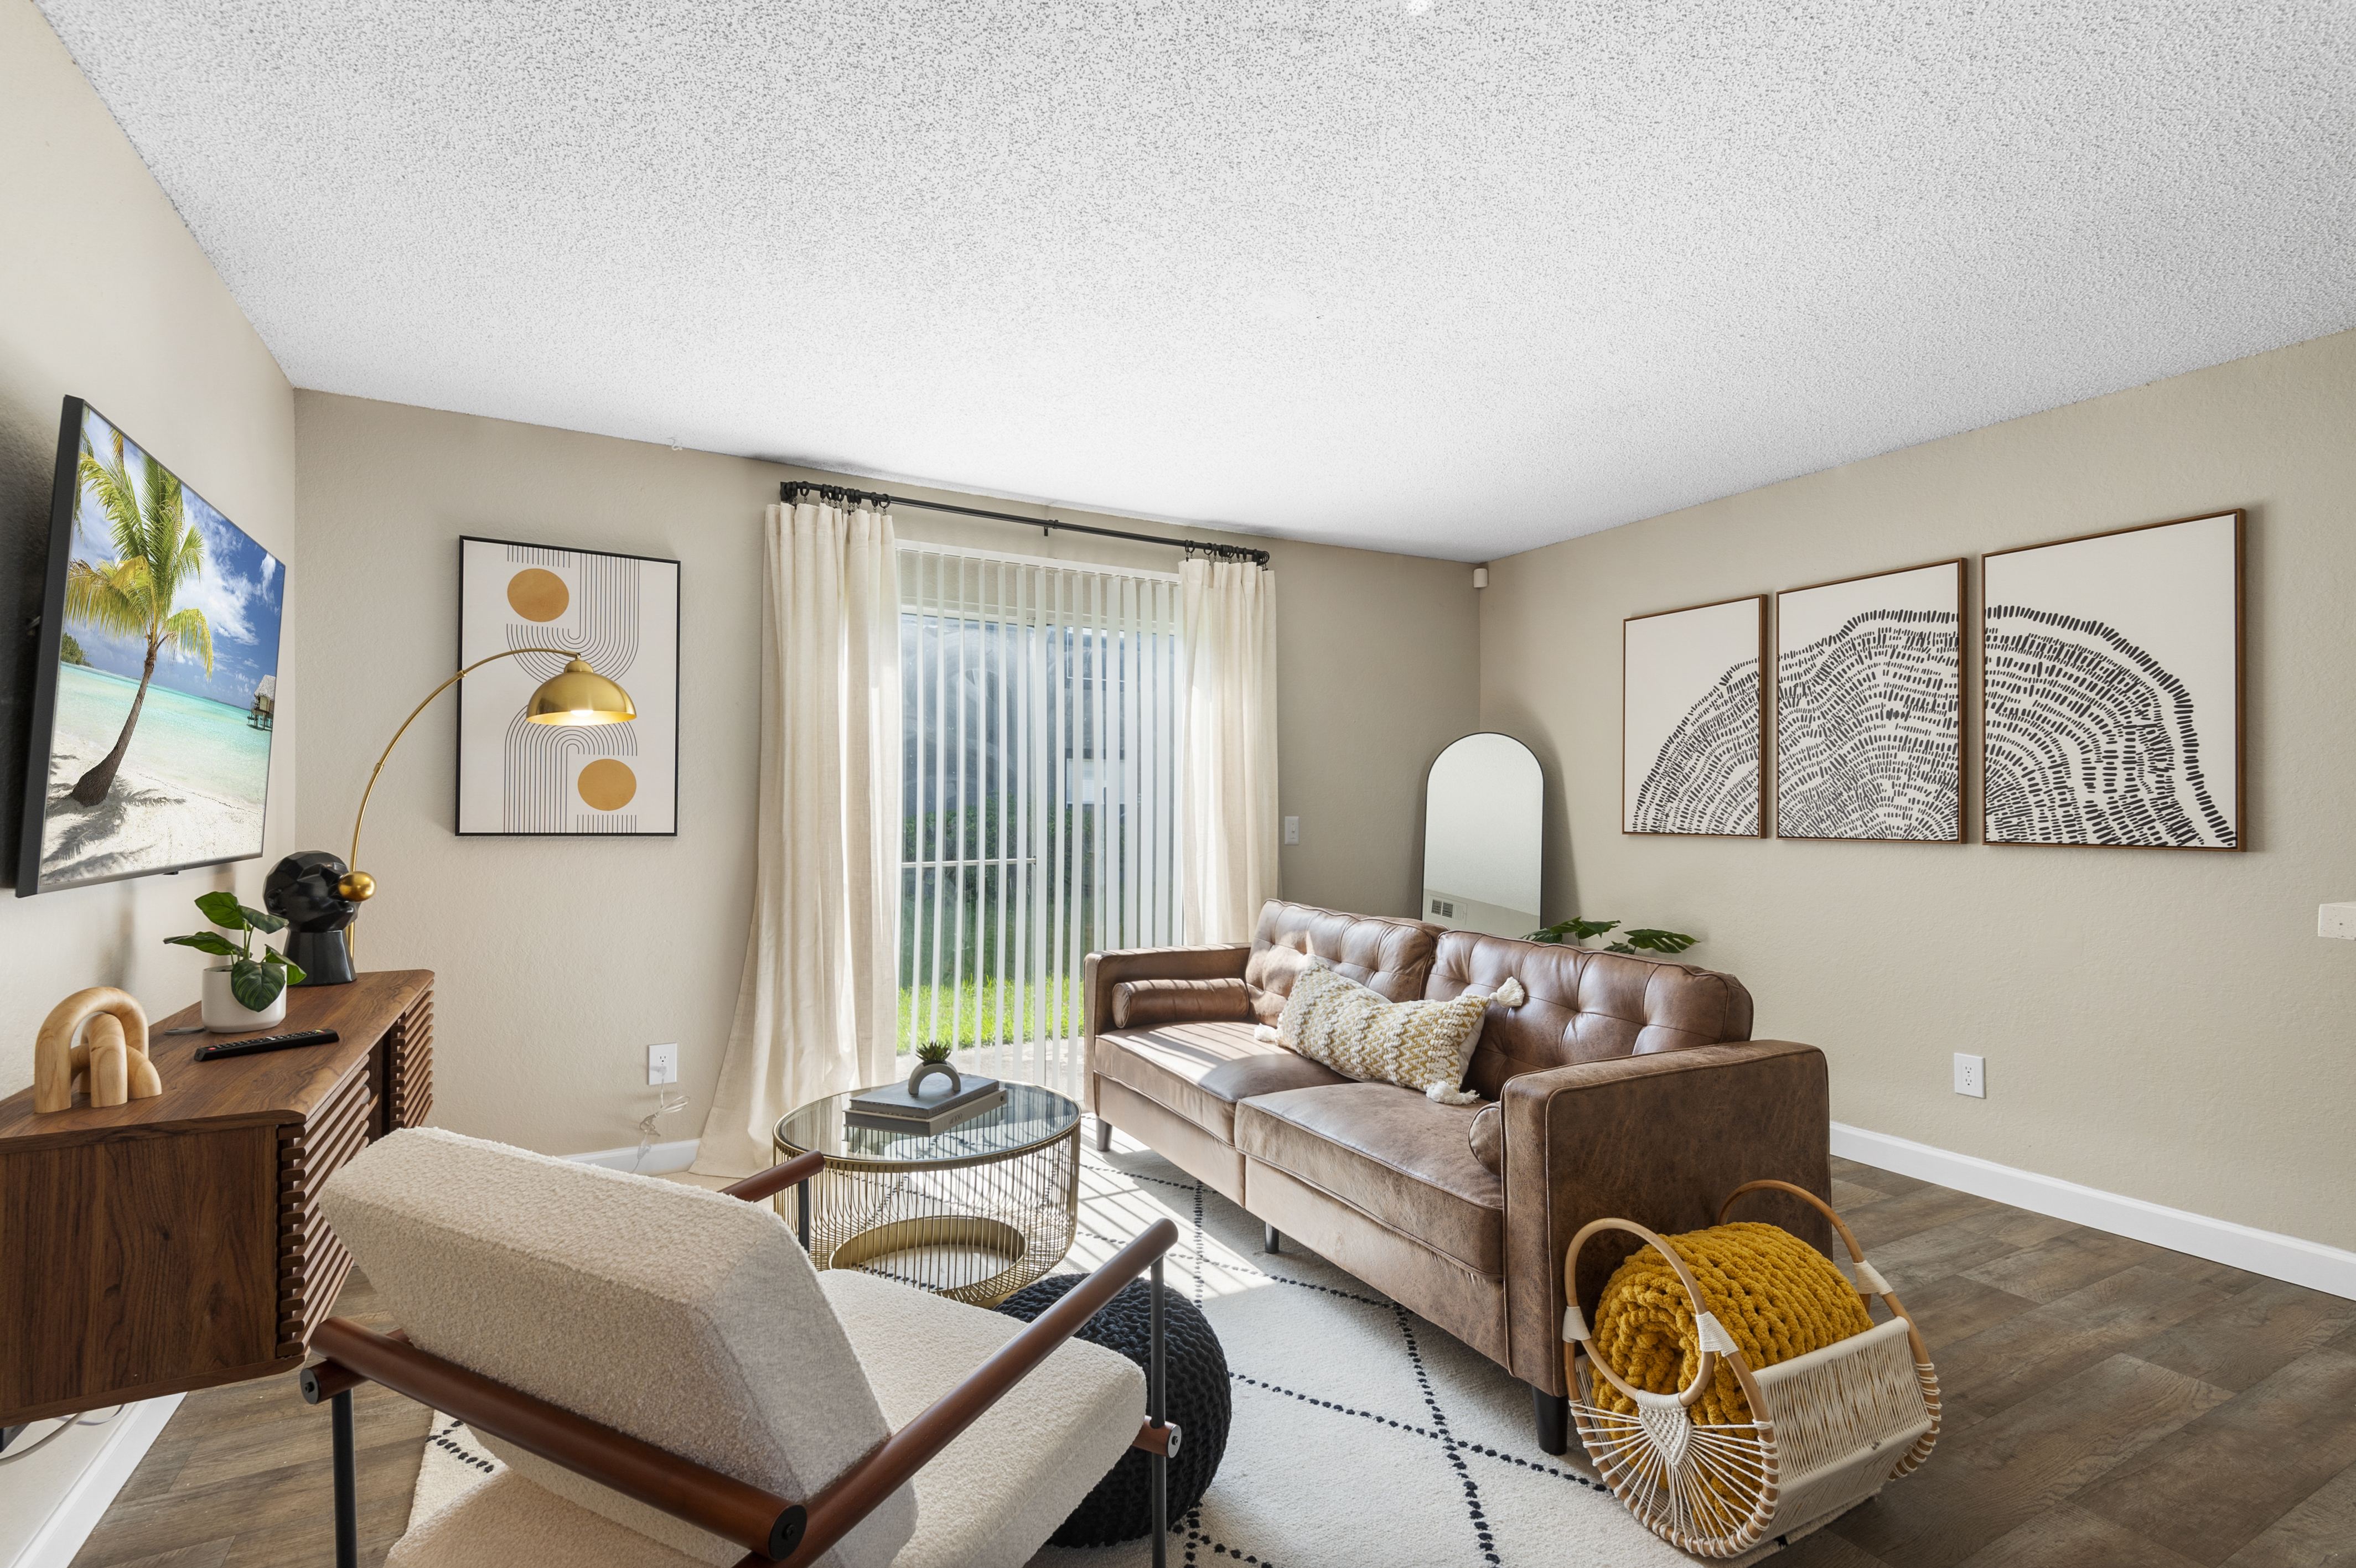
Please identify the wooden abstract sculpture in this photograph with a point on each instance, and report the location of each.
(113, 1055)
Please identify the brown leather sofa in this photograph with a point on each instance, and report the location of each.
(1622, 1087)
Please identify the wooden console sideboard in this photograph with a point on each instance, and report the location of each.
(175, 1242)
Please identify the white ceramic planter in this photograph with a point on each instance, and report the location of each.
(224, 1014)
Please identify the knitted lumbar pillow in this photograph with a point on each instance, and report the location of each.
(1361, 1034)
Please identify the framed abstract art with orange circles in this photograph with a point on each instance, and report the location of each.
(620, 613)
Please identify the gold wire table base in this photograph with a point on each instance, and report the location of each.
(976, 1231)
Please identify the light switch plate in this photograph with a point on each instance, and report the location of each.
(1971, 1075)
(2336, 920)
(1293, 830)
(662, 1064)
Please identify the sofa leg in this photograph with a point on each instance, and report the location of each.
(1104, 1135)
(1553, 1411)
(1270, 1242)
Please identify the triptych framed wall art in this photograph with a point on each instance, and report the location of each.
(1693, 705)
(1869, 706)
(2110, 694)
(2112, 669)
(618, 612)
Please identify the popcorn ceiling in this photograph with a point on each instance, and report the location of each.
(1431, 276)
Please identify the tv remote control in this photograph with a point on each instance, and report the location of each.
(261, 1042)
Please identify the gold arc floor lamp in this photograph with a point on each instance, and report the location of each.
(576, 695)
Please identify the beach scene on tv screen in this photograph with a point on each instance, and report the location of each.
(167, 677)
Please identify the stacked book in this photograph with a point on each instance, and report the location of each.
(892, 1109)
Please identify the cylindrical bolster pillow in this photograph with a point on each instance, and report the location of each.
(1142, 1004)
(1487, 1136)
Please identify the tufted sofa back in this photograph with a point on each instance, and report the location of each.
(1583, 1005)
(1392, 956)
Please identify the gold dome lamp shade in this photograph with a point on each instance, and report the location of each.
(579, 695)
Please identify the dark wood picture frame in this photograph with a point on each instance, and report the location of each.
(1760, 656)
(2239, 728)
(679, 634)
(1962, 565)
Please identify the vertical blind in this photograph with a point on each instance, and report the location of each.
(1040, 706)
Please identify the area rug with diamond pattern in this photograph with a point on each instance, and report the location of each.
(1363, 1436)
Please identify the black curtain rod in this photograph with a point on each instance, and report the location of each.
(837, 493)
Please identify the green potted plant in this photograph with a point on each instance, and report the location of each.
(246, 993)
(932, 1057)
(1576, 933)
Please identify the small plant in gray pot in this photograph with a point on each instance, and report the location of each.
(932, 1059)
(247, 992)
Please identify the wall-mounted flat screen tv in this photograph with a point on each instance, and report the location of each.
(157, 688)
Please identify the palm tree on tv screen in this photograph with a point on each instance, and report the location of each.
(156, 550)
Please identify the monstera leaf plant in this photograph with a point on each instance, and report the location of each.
(1576, 933)
(254, 981)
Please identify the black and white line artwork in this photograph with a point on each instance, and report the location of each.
(620, 613)
(1868, 709)
(1691, 706)
(2111, 684)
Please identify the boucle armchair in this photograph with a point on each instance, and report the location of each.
(670, 1383)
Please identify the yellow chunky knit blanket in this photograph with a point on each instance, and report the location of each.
(1778, 1298)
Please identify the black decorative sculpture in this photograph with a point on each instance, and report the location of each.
(301, 890)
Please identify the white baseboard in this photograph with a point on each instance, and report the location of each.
(661, 1158)
(2277, 1256)
(81, 1480)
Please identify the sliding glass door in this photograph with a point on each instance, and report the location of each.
(1041, 711)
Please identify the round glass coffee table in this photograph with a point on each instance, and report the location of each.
(975, 1212)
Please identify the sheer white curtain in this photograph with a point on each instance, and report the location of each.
(1229, 833)
(816, 1009)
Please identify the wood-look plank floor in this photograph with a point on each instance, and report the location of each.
(240, 1476)
(2109, 1404)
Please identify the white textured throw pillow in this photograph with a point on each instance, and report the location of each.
(1358, 1032)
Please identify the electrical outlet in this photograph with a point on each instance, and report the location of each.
(1293, 830)
(662, 1064)
(1971, 1075)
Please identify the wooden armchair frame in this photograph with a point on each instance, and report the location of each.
(772, 1530)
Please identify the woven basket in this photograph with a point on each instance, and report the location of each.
(1827, 1430)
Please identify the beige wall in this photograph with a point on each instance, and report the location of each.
(108, 298)
(2162, 1025)
(1379, 656)
(561, 961)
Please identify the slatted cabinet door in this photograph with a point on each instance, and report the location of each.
(312, 1262)
(406, 1077)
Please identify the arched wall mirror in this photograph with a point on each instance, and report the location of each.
(1484, 828)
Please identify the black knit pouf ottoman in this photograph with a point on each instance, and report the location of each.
(1195, 1370)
